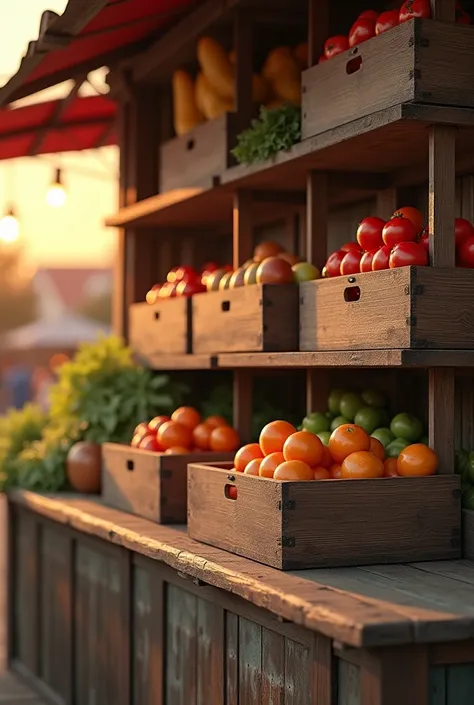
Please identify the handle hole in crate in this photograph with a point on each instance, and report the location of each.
(225, 305)
(190, 144)
(353, 65)
(157, 315)
(352, 293)
(130, 465)
(230, 491)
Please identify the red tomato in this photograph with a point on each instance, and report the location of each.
(369, 15)
(351, 246)
(415, 8)
(380, 259)
(366, 261)
(425, 240)
(186, 273)
(333, 265)
(387, 20)
(462, 17)
(462, 230)
(188, 288)
(397, 230)
(408, 254)
(466, 252)
(360, 31)
(369, 233)
(322, 59)
(335, 45)
(351, 263)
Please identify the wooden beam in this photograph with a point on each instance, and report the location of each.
(441, 396)
(442, 182)
(318, 29)
(242, 230)
(243, 45)
(444, 10)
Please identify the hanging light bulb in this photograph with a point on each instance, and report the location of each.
(9, 226)
(56, 196)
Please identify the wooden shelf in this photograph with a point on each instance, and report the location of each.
(303, 360)
(388, 148)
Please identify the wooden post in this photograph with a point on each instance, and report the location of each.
(242, 404)
(443, 10)
(243, 46)
(441, 416)
(387, 203)
(318, 29)
(442, 184)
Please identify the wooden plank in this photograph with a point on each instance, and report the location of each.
(250, 662)
(441, 412)
(242, 228)
(462, 570)
(443, 10)
(181, 664)
(317, 203)
(322, 680)
(348, 684)
(242, 401)
(25, 600)
(318, 29)
(180, 362)
(297, 674)
(232, 659)
(437, 686)
(442, 150)
(451, 653)
(210, 653)
(397, 676)
(460, 684)
(273, 668)
(147, 645)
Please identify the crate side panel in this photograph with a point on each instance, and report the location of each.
(160, 328)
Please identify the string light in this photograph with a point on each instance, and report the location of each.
(9, 226)
(57, 196)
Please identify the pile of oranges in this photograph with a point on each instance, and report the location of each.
(283, 453)
(185, 432)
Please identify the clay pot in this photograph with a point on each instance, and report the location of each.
(83, 467)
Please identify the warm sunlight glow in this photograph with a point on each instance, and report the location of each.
(56, 196)
(9, 229)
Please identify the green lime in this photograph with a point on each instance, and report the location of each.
(338, 421)
(334, 401)
(350, 405)
(368, 418)
(384, 435)
(467, 499)
(374, 397)
(395, 447)
(324, 437)
(407, 426)
(316, 422)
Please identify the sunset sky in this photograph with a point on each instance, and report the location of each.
(73, 235)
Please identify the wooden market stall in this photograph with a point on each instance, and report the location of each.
(315, 593)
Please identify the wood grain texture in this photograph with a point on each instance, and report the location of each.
(441, 196)
(25, 608)
(302, 598)
(468, 533)
(265, 316)
(181, 664)
(294, 526)
(441, 417)
(149, 484)
(210, 653)
(349, 684)
(147, 638)
(161, 328)
(420, 63)
(232, 658)
(398, 308)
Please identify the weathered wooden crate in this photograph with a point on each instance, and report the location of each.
(255, 318)
(410, 307)
(422, 60)
(197, 158)
(164, 327)
(151, 485)
(293, 525)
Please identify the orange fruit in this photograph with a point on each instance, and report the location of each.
(224, 439)
(294, 470)
(347, 439)
(187, 416)
(321, 473)
(303, 446)
(245, 454)
(412, 214)
(360, 465)
(377, 448)
(202, 436)
(326, 458)
(266, 249)
(215, 421)
(335, 471)
(417, 460)
(176, 450)
(155, 423)
(390, 468)
(172, 434)
(253, 467)
(273, 436)
(270, 463)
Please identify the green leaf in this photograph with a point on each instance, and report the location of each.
(276, 130)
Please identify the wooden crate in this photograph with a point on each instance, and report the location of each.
(410, 307)
(151, 485)
(421, 60)
(197, 158)
(164, 327)
(296, 525)
(255, 318)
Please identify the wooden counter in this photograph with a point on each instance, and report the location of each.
(111, 609)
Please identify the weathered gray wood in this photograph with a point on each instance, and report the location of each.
(181, 665)
(460, 684)
(297, 674)
(232, 659)
(461, 571)
(25, 608)
(349, 685)
(250, 662)
(273, 668)
(437, 686)
(147, 637)
(210, 661)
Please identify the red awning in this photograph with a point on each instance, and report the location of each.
(88, 35)
(57, 126)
